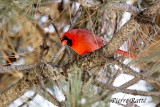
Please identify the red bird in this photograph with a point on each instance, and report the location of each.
(83, 41)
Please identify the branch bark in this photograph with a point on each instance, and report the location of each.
(17, 90)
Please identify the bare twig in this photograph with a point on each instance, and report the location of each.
(55, 27)
(57, 54)
(127, 84)
(127, 91)
(134, 73)
(54, 76)
(43, 48)
(112, 79)
(68, 51)
(39, 74)
(48, 96)
(28, 100)
(43, 34)
(77, 16)
(6, 69)
(85, 85)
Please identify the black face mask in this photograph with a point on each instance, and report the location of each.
(69, 42)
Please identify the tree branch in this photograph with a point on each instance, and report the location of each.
(127, 91)
(17, 90)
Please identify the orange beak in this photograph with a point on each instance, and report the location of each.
(64, 42)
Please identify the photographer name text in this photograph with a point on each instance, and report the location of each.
(132, 100)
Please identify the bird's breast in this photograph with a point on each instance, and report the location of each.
(85, 47)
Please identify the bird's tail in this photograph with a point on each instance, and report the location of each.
(125, 54)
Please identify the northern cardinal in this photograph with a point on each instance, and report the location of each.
(83, 41)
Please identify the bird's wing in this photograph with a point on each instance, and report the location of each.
(88, 34)
(100, 41)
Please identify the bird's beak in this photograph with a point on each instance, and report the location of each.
(64, 42)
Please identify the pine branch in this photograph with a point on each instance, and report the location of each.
(127, 91)
(127, 84)
(130, 71)
(86, 63)
(125, 7)
(17, 90)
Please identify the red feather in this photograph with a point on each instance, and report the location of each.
(84, 41)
